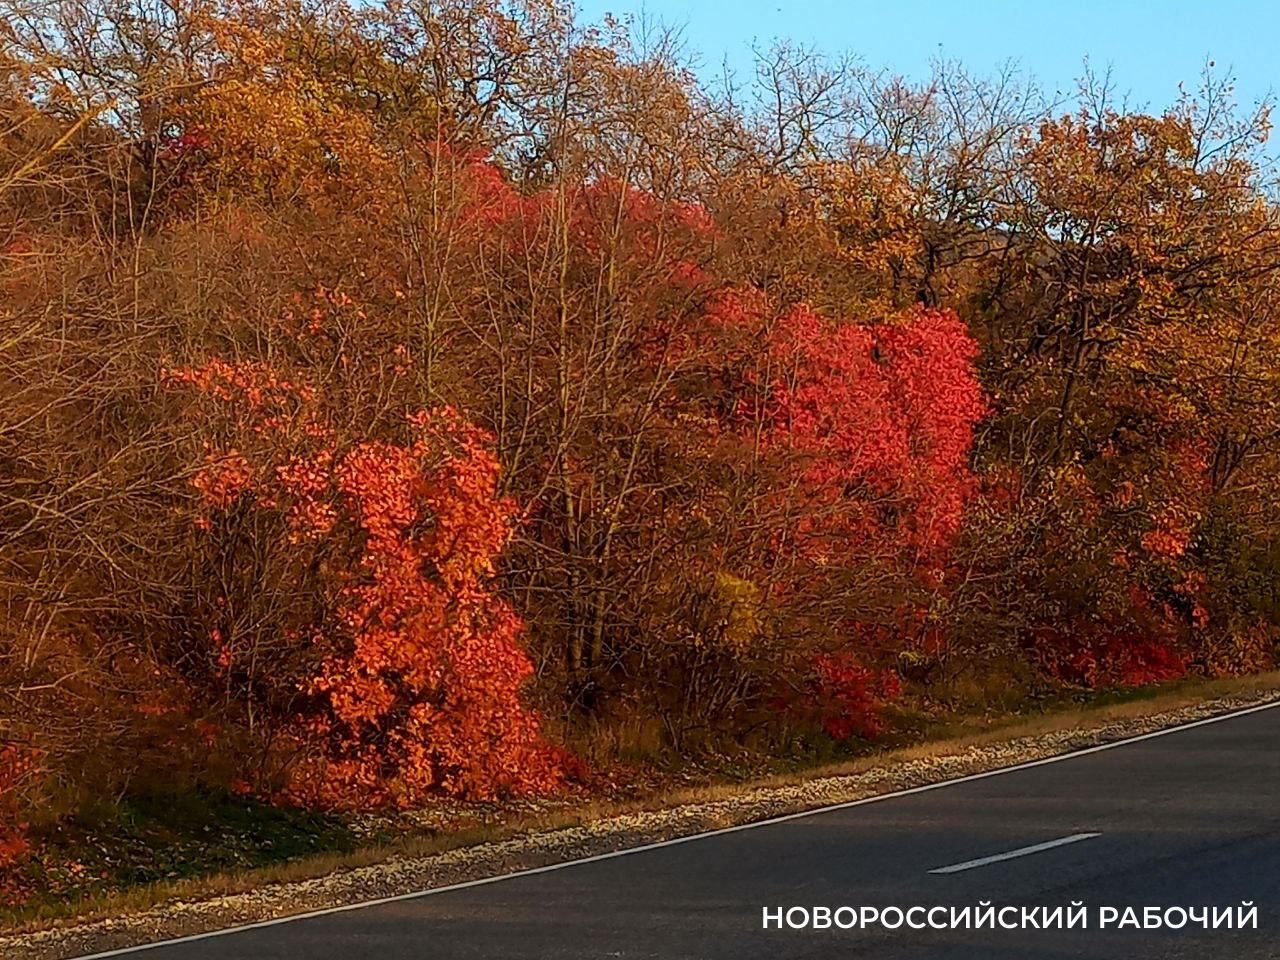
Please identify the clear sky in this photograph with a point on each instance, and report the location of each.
(1149, 46)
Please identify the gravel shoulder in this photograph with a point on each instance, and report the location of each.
(402, 874)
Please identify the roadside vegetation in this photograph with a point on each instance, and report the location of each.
(171, 870)
(435, 402)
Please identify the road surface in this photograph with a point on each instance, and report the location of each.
(1190, 818)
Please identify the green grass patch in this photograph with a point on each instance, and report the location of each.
(165, 838)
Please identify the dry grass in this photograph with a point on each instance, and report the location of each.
(957, 737)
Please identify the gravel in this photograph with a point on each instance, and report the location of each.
(402, 875)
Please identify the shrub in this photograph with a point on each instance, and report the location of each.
(399, 673)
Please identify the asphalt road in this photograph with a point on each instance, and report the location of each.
(1190, 819)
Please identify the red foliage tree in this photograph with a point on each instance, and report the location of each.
(869, 429)
(414, 667)
(879, 417)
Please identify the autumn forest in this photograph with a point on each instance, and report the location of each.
(427, 399)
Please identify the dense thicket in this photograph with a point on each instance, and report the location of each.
(401, 399)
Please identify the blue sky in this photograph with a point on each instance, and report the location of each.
(1149, 46)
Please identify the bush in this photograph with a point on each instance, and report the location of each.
(398, 672)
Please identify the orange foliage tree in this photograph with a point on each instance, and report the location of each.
(408, 667)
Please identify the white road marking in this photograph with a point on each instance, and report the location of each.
(1020, 852)
(785, 818)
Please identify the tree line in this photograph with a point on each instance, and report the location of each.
(435, 397)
